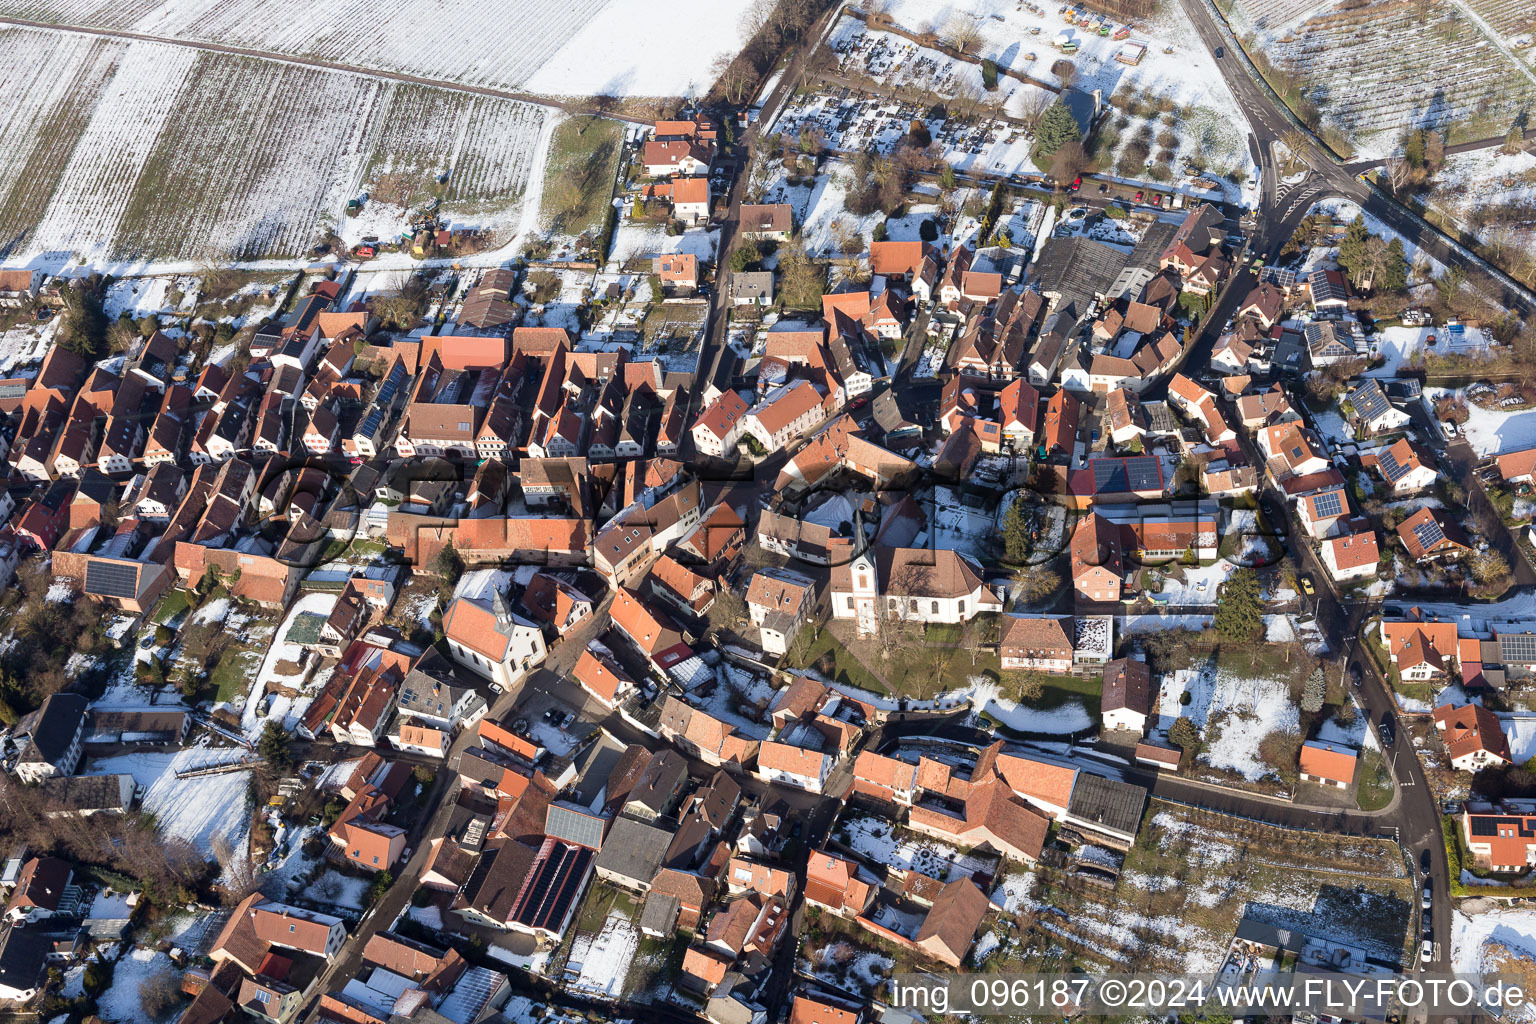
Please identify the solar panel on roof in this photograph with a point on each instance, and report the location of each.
(1390, 467)
(1109, 475)
(13, 389)
(1429, 533)
(112, 579)
(1329, 504)
(1518, 647)
(574, 827)
(1145, 473)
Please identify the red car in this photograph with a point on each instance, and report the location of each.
(1077, 183)
(1138, 197)
(1157, 200)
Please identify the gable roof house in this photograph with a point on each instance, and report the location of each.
(1404, 467)
(52, 738)
(1473, 737)
(1127, 698)
(1368, 408)
(1351, 555)
(1328, 764)
(1428, 534)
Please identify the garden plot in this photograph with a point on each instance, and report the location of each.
(149, 296)
(347, 891)
(24, 346)
(1493, 431)
(956, 526)
(738, 698)
(1192, 876)
(845, 966)
(208, 811)
(1234, 714)
(986, 697)
(1399, 345)
(601, 961)
(885, 843)
(641, 241)
(821, 212)
(285, 666)
(1495, 941)
(1375, 70)
(121, 1000)
(163, 152)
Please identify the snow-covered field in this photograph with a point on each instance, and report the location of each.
(1376, 73)
(582, 47)
(124, 151)
(198, 809)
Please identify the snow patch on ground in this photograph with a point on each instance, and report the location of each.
(601, 961)
(200, 809)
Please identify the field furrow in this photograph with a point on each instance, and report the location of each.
(44, 116)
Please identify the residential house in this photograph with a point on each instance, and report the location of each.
(51, 738)
(1351, 556)
(1406, 468)
(1328, 764)
(1473, 737)
(1127, 697)
(779, 603)
(1429, 534)
(1036, 643)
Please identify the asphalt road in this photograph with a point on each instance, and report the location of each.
(1283, 207)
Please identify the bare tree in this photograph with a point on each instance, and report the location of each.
(1036, 102)
(1295, 142)
(1069, 161)
(1399, 173)
(963, 33)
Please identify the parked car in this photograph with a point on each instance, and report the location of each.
(1077, 183)
(1424, 860)
(1157, 200)
(1306, 585)
(1354, 674)
(1138, 197)
(1429, 894)
(1427, 949)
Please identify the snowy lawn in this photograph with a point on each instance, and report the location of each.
(199, 810)
(121, 1002)
(1234, 713)
(601, 961)
(1491, 431)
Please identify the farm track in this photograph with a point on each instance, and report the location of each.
(322, 64)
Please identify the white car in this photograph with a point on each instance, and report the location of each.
(1449, 429)
(1427, 949)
